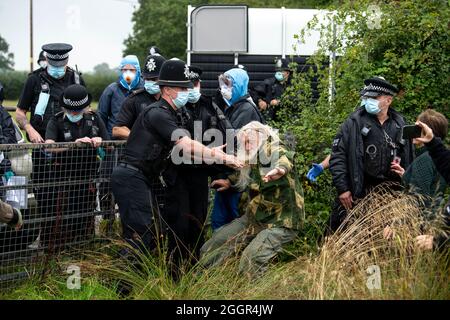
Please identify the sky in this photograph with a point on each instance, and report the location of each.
(95, 28)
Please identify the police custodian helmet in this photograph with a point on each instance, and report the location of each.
(75, 98)
(152, 67)
(175, 73)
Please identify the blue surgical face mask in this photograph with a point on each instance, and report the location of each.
(279, 76)
(73, 118)
(56, 72)
(181, 99)
(194, 95)
(372, 106)
(151, 87)
(363, 102)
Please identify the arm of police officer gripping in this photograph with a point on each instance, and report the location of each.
(205, 154)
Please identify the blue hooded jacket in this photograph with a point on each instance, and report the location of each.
(114, 95)
(241, 109)
(240, 84)
(133, 60)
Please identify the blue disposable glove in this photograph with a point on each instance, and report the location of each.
(314, 172)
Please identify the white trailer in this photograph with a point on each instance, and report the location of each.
(222, 36)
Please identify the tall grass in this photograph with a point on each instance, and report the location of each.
(337, 271)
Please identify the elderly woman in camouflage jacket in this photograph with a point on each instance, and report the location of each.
(275, 211)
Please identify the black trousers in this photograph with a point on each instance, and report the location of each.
(339, 213)
(132, 191)
(186, 208)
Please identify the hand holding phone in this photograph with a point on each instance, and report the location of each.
(411, 132)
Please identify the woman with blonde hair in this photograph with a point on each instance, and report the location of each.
(275, 211)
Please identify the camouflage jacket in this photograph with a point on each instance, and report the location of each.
(278, 203)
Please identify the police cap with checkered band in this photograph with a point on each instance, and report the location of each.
(57, 53)
(75, 98)
(378, 86)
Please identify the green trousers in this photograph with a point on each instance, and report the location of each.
(260, 245)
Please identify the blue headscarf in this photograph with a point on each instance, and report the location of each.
(133, 60)
(240, 84)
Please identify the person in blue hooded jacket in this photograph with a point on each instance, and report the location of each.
(114, 95)
(240, 110)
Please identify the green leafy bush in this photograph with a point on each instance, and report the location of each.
(409, 49)
(12, 82)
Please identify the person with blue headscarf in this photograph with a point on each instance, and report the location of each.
(240, 110)
(114, 95)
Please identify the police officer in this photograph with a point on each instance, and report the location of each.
(156, 138)
(270, 91)
(40, 96)
(204, 116)
(139, 99)
(42, 62)
(366, 146)
(7, 130)
(76, 123)
(7, 136)
(42, 90)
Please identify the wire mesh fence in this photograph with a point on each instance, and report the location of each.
(63, 193)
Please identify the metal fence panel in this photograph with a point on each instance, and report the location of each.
(63, 192)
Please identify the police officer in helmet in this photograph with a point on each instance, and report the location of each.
(157, 138)
(206, 124)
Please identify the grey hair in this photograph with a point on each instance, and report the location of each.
(265, 134)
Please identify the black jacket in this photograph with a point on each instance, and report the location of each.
(347, 157)
(7, 130)
(441, 157)
(243, 112)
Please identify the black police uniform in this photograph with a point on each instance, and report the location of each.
(145, 158)
(188, 201)
(364, 149)
(7, 136)
(37, 82)
(133, 105)
(271, 89)
(73, 204)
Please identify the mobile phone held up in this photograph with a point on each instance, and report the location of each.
(411, 131)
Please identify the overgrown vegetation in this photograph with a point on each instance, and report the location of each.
(337, 271)
(410, 49)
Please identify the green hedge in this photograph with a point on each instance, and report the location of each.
(13, 82)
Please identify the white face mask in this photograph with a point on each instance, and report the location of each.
(226, 92)
(129, 76)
